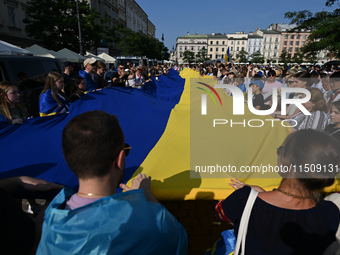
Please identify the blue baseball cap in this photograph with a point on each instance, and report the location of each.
(259, 83)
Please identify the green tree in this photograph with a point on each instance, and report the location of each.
(188, 56)
(242, 56)
(298, 57)
(55, 24)
(270, 60)
(324, 27)
(202, 55)
(257, 57)
(137, 43)
(311, 58)
(284, 58)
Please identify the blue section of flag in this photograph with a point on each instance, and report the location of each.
(34, 148)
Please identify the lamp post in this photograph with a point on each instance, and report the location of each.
(81, 48)
(162, 48)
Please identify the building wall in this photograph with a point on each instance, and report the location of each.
(190, 42)
(236, 43)
(151, 29)
(136, 18)
(292, 42)
(254, 44)
(12, 27)
(271, 45)
(121, 12)
(217, 46)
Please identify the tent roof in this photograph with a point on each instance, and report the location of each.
(72, 56)
(42, 52)
(10, 49)
(90, 55)
(108, 58)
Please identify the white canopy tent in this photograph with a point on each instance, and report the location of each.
(72, 56)
(108, 58)
(10, 49)
(90, 55)
(42, 52)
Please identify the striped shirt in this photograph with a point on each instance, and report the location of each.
(317, 120)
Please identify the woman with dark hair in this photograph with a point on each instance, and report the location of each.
(77, 88)
(267, 90)
(317, 107)
(294, 218)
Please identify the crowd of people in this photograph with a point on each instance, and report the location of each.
(60, 90)
(322, 83)
(292, 219)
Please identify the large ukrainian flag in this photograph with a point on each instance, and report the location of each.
(156, 123)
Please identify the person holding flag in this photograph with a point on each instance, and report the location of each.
(227, 56)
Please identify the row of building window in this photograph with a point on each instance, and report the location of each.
(192, 48)
(290, 49)
(270, 39)
(297, 36)
(297, 43)
(269, 47)
(223, 42)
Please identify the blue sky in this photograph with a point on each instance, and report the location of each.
(177, 17)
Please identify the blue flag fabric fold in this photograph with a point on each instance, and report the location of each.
(34, 148)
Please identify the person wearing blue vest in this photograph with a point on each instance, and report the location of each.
(96, 219)
(88, 74)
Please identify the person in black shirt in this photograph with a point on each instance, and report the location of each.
(119, 79)
(258, 99)
(67, 74)
(99, 75)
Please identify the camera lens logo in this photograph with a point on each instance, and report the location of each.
(204, 97)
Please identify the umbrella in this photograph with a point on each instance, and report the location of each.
(333, 62)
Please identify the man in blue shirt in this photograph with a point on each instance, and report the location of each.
(96, 220)
(88, 74)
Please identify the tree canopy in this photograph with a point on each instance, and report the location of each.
(242, 56)
(55, 24)
(188, 56)
(137, 43)
(257, 57)
(202, 55)
(324, 27)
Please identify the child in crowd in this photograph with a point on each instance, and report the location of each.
(77, 88)
(334, 128)
(52, 99)
(258, 100)
(10, 113)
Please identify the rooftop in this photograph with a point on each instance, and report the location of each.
(270, 31)
(193, 36)
(254, 36)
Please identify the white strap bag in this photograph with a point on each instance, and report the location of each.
(242, 232)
